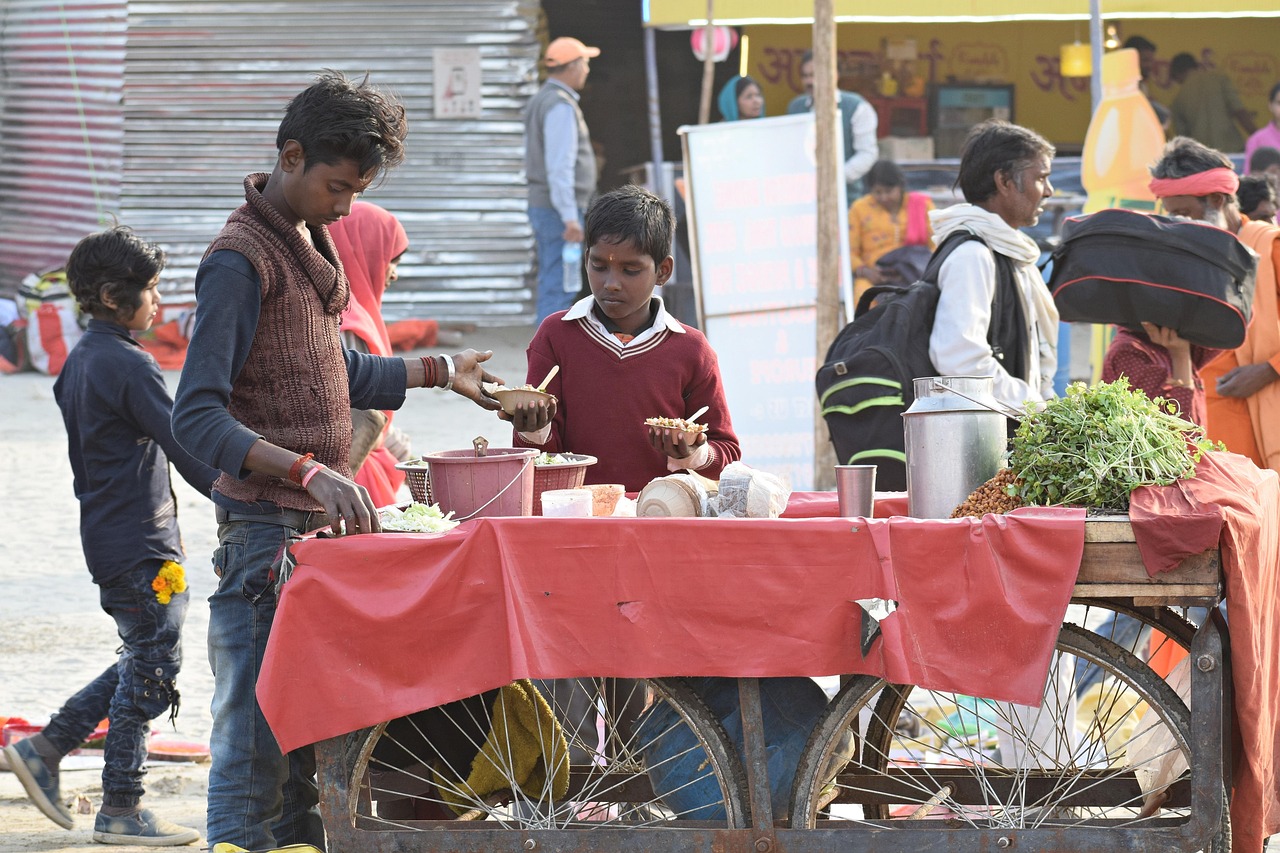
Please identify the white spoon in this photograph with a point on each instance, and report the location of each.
(689, 420)
(552, 375)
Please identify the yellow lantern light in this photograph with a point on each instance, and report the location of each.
(1075, 60)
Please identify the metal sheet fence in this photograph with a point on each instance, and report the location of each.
(186, 100)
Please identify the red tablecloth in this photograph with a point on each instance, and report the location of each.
(379, 626)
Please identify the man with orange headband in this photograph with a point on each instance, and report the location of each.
(1241, 386)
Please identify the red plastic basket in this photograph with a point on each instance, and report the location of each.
(418, 480)
(567, 475)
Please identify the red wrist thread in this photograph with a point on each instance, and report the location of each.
(306, 478)
(295, 470)
(429, 365)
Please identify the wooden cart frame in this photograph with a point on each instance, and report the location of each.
(1111, 570)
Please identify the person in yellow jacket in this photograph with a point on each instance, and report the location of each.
(886, 218)
(1242, 386)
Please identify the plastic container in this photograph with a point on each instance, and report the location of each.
(568, 475)
(1123, 139)
(415, 477)
(571, 257)
(500, 483)
(566, 503)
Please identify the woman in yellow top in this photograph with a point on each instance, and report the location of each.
(886, 218)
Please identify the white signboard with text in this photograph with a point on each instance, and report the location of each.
(751, 191)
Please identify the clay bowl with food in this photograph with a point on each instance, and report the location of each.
(512, 398)
(676, 427)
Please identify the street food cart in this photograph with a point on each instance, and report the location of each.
(907, 757)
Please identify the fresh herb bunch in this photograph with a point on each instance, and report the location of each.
(1098, 443)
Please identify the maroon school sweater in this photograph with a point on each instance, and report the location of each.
(606, 392)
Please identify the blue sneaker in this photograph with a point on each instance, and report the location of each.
(141, 829)
(40, 782)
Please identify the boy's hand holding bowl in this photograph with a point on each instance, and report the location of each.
(528, 408)
(677, 438)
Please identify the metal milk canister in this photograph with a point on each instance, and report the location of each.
(954, 442)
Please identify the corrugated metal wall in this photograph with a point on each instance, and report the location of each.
(60, 128)
(205, 85)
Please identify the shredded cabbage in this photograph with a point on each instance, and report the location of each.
(552, 459)
(417, 518)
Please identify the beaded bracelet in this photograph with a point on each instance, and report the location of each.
(429, 365)
(448, 363)
(306, 478)
(295, 470)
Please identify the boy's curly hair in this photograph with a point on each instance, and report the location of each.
(115, 264)
(335, 119)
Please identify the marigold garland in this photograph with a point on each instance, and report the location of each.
(170, 580)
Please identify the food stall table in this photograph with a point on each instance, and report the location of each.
(385, 626)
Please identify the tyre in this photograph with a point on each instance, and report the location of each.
(1116, 755)
(623, 753)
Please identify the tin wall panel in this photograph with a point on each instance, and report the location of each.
(61, 129)
(207, 83)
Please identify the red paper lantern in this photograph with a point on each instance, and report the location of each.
(724, 40)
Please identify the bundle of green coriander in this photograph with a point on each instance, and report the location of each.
(1098, 443)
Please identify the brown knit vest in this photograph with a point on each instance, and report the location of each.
(293, 387)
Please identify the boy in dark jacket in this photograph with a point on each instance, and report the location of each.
(117, 410)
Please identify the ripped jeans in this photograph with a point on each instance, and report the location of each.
(135, 689)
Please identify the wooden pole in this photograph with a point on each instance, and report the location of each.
(708, 64)
(830, 177)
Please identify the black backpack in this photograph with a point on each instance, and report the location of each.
(865, 384)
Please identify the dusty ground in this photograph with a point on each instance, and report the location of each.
(54, 638)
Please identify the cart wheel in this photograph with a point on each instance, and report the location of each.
(949, 761)
(1093, 613)
(621, 738)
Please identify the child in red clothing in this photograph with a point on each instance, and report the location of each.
(623, 359)
(1160, 363)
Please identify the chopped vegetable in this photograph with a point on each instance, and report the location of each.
(1098, 443)
(676, 423)
(552, 459)
(417, 518)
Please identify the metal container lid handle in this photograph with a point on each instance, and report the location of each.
(999, 408)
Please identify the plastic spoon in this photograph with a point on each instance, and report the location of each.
(689, 420)
(552, 375)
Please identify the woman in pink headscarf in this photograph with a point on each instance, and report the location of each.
(370, 242)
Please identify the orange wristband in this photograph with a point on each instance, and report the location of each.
(295, 470)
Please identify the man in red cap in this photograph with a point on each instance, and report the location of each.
(561, 169)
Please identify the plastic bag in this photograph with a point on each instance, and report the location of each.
(748, 493)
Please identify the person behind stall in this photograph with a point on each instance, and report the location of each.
(266, 396)
(858, 124)
(887, 218)
(741, 98)
(1160, 363)
(1264, 160)
(1207, 106)
(370, 242)
(623, 359)
(1242, 386)
(1267, 136)
(1257, 198)
(116, 410)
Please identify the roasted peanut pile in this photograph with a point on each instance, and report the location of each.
(992, 496)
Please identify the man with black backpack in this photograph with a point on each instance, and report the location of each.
(995, 316)
(980, 308)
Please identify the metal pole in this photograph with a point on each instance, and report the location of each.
(708, 64)
(1097, 47)
(829, 177)
(655, 114)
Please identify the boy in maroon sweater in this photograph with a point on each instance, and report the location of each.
(623, 359)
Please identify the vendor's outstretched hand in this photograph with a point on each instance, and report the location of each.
(531, 417)
(675, 445)
(345, 502)
(469, 374)
(1246, 380)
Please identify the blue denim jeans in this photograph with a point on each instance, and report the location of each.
(548, 237)
(135, 689)
(258, 798)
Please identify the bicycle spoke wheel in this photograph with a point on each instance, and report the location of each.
(1116, 755)
(621, 753)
